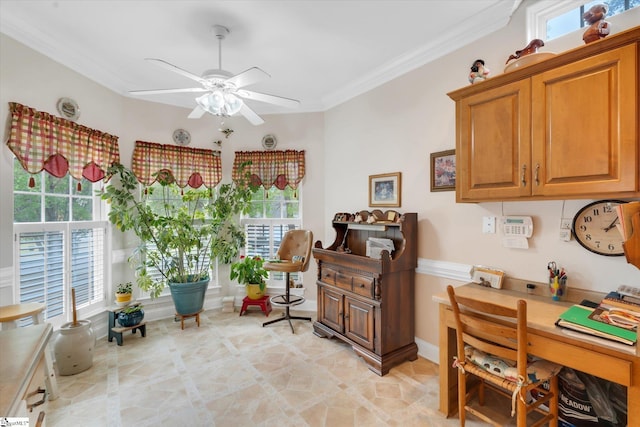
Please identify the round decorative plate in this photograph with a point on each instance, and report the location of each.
(68, 108)
(269, 142)
(181, 137)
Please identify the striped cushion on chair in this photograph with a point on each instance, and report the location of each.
(537, 369)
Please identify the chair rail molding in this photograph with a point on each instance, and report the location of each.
(445, 269)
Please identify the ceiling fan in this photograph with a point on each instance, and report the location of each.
(223, 91)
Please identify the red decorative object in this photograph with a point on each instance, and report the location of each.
(532, 47)
(264, 303)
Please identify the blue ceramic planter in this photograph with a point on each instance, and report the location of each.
(130, 319)
(188, 298)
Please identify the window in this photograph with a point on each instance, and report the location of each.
(273, 212)
(60, 244)
(549, 20)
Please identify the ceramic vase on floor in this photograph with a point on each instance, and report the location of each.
(73, 347)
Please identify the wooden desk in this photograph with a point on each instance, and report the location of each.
(21, 369)
(9, 314)
(620, 364)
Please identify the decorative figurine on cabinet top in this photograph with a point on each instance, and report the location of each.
(478, 71)
(532, 47)
(599, 27)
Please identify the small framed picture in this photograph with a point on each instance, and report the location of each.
(443, 171)
(385, 189)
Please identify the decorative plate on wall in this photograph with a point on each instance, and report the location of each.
(68, 108)
(181, 137)
(269, 142)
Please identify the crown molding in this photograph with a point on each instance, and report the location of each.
(485, 23)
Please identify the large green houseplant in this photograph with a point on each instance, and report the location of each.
(180, 232)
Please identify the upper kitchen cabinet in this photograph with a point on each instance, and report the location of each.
(563, 128)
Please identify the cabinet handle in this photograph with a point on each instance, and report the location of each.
(536, 175)
(524, 177)
(39, 402)
(362, 285)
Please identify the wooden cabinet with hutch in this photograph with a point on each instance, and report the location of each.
(566, 127)
(365, 301)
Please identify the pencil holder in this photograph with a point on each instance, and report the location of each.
(558, 287)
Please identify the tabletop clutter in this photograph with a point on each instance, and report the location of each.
(614, 318)
(557, 281)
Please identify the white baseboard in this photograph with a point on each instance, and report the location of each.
(428, 351)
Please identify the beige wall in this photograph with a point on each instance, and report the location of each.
(396, 126)
(392, 128)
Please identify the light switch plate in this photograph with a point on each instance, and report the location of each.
(489, 224)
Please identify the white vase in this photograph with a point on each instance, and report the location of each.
(73, 347)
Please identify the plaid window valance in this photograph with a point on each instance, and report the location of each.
(42, 141)
(271, 168)
(188, 166)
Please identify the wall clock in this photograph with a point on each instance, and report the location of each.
(181, 137)
(594, 227)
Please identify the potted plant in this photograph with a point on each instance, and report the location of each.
(123, 294)
(181, 232)
(249, 272)
(131, 316)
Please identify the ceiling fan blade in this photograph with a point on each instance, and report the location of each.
(171, 67)
(196, 113)
(161, 91)
(270, 99)
(248, 77)
(251, 115)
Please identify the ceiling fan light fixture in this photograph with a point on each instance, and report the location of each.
(233, 104)
(220, 104)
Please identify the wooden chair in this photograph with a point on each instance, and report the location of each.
(492, 345)
(293, 254)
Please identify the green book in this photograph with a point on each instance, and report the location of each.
(577, 319)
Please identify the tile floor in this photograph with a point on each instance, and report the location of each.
(233, 372)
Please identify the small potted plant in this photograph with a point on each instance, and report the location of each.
(249, 272)
(123, 294)
(131, 316)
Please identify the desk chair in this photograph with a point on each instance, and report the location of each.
(494, 351)
(293, 254)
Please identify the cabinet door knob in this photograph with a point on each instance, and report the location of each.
(536, 175)
(524, 176)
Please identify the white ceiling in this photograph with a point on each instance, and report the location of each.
(320, 52)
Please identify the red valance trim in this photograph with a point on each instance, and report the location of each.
(191, 167)
(271, 168)
(42, 141)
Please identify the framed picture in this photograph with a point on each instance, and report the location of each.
(385, 189)
(443, 171)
